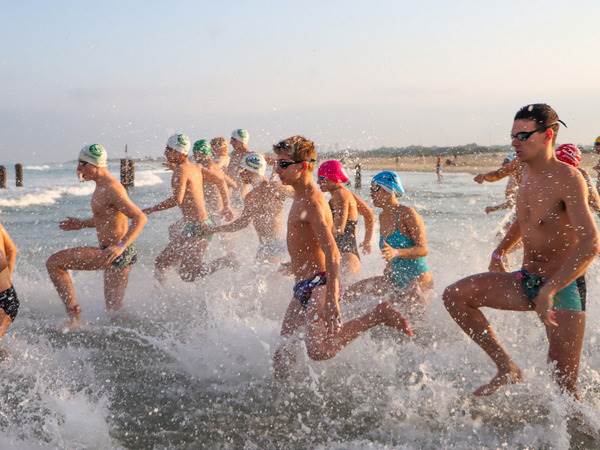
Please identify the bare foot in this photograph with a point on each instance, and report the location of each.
(392, 318)
(510, 376)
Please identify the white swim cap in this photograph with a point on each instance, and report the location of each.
(95, 154)
(180, 143)
(254, 162)
(241, 135)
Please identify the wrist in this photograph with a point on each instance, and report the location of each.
(121, 244)
(497, 255)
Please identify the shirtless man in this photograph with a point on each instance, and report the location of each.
(346, 206)
(239, 142)
(263, 206)
(189, 237)
(219, 150)
(115, 254)
(510, 192)
(9, 302)
(316, 265)
(560, 241)
(597, 166)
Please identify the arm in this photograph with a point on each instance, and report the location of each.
(594, 198)
(240, 223)
(10, 250)
(369, 216)
(416, 231)
(123, 204)
(511, 238)
(221, 184)
(178, 183)
(506, 205)
(498, 174)
(230, 181)
(330, 313)
(73, 223)
(339, 207)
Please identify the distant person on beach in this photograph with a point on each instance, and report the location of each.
(220, 152)
(597, 166)
(315, 263)
(263, 207)
(239, 141)
(403, 243)
(438, 169)
(560, 240)
(346, 207)
(189, 237)
(111, 210)
(9, 302)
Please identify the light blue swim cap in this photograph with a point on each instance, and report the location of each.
(390, 181)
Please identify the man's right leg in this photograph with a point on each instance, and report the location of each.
(78, 258)
(285, 355)
(463, 301)
(168, 257)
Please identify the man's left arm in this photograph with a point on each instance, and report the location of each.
(221, 185)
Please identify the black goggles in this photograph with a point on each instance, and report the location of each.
(283, 164)
(524, 135)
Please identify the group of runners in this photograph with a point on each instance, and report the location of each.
(552, 221)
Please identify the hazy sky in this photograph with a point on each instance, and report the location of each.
(352, 73)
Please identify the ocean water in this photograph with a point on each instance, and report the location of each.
(189, 365)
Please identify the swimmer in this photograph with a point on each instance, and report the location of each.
(403, 243)
(346, 206)
(263, 207)
(597, 166)
(219, 150)
(560, 240)
(116, 252)
(315, 263)
(189, 237)
(9, 302)
(438, 169)
(239, 141)
(510, 192)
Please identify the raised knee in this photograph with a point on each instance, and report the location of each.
(317, 354)
(451, 298)
(53, 264)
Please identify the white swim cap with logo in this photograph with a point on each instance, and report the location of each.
(241, 135)
(180, 143)
(94, 154)
(254, 162)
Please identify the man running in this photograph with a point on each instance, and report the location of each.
(315, 263)
(560, 241)
(9, 302)
(263, 206)
(219, 149)
(597, 166)
(116, 253)
(189, 237)
(239, 142)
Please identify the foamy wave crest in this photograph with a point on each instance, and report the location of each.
(148, 178)
(45, 196)
(42, 167)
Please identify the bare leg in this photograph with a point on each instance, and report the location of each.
(321, 346)
(168, 257)
(494, 290)
(115, 283)
(566, 343)
(79, 258)
(350, 265)
(5, 322)
(369, 286)
(285, 355)
(192, 264)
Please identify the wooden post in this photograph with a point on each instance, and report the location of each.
(127, 173)
(357, 177)
(397, 162)
(3, 177)
(19, 175)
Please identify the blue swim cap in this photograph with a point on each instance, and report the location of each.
(390, 181)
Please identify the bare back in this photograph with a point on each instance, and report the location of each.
(307, 256)
(187, 182)
(111, 224)
(267, 201)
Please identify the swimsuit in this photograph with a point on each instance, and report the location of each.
(9, 303)
(403, 271)
(571, 297)
(197, 229)
(303, 289)
(125, 259)
(346, 241)
(270, 248)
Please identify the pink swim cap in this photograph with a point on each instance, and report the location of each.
(333, 171)
(569, 154)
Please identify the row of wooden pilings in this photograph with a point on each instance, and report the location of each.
(127, 174)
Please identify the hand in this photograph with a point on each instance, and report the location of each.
(227, 213)
(147, 211)
(489, 209)
(330, 313)
(543, 307)
(366, 247)
(71, 224)
(113, 252)
(480, 178)
(497, 265)
(388, 252)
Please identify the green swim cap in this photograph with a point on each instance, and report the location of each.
(202, 146)
(94, 154)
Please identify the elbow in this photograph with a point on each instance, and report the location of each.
(142, 219)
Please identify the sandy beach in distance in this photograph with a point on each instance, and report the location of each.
(474, 163)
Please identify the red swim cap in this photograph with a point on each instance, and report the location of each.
(569, 154)
(334, 171)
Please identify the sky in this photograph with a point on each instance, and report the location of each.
(347, 74)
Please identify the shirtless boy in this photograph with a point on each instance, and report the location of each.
(111, 210)
(315, 263)
(560, 241)
(239, 141)
(9, 302)
(263, 207)
(189, 237)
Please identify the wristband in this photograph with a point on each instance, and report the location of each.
(497, 256)
(121, 244)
